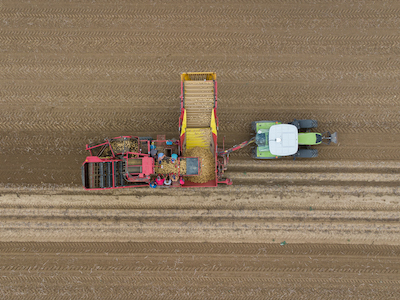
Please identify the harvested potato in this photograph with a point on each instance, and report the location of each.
(207, 163)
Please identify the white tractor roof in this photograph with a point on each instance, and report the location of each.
(283, 139)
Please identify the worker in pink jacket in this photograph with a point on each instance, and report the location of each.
(160, 180)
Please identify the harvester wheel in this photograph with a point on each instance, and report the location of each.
(306, 153)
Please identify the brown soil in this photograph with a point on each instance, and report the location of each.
(75, 74)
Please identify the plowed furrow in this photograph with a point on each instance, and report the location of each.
(217, 272)
(267, 96)
(156, 18)
(220, 215)
(264, 197)
(361, 121)
(317, 166)
(360, 125)
(313, 178)
(198, 287)
(341, 152)
(121, 68)
(240, 249)
(89, 120)
(139, 94)
(123, 43)
(104, 12)
(220, 231)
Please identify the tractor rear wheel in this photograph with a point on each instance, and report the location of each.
(306, 153)
(254, 152)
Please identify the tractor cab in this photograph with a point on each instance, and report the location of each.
(279, 140)
(283, 139)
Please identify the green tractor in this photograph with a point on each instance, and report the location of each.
(275, 139)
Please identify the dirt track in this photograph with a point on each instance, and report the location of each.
(198, 271)
(73, 74)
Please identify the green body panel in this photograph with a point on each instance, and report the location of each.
(266, 125)
(263, 152)
(308, 138)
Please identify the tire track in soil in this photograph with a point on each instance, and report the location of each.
(255, 93)
(189, 268)
(58, 119)
(189, 215)
(121, 68)
(200, 248)
(321, 198)
(139, 94)
(315, 178)
(199, 287)
(308, 232)
(278, 166)
(123, 42)
(77, 224)
(151, 19)
(342, 152)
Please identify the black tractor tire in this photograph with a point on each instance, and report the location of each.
(253, 126)
(145, 138)
(306, 153)
(254, 152)
(307, 124)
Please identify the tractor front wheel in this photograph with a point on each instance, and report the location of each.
(253, 126)
(305, 124)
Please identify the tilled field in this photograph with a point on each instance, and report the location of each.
(198, 271)
(77, 73)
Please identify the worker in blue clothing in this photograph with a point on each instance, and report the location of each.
(153, 184)
(161, 156)
(174, 157)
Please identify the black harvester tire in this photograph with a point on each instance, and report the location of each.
(306, 153)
